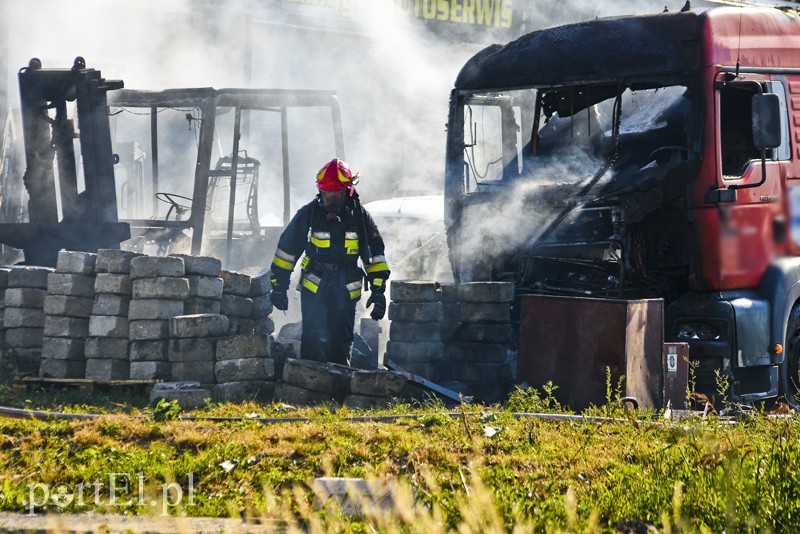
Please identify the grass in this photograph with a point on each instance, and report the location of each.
(482, 471)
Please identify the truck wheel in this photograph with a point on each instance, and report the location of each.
(791, 364)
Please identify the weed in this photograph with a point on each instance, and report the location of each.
(532, 401)
(166, 410)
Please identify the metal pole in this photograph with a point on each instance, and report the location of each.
(285, 147)
(232, 202)
(154, 154)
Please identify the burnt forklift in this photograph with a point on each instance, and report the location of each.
(191, 170)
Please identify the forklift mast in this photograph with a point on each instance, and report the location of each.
(88, 211)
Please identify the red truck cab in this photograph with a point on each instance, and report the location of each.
(653, 156)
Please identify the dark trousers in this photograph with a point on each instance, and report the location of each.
(328, 321)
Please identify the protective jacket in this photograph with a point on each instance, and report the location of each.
(331, 280)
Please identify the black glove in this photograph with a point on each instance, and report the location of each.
(279, 299)
(379, 300)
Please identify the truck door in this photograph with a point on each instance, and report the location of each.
(753, 228)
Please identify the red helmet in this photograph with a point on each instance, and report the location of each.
(336, 175)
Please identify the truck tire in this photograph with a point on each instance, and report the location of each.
(791, 365)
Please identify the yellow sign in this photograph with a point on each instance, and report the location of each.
(489, 13)
(497, 13)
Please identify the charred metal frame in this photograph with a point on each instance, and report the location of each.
(208, 100)
(89, 217)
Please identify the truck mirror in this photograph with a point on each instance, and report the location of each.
(766, 121)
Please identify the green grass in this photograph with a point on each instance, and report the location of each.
(481, 471)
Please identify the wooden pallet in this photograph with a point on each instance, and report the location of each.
(27, 383)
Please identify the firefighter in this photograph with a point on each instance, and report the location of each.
(333, 231)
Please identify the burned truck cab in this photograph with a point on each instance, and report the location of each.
(637, 158)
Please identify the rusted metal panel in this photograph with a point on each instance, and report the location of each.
(572, 341)
(676, 374)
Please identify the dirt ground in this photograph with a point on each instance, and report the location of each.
(109, 524)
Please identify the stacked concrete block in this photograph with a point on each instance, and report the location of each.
(375, 388)
(189, 394)
(260, 288)
(192, 347)
(306, 382)
(205, 284)
(236, 302)
(3, 286)
(478, 336)
(68, 307)
(107, 342)
(24, 318)
(415, 341)
(244, 369)
(159, 289)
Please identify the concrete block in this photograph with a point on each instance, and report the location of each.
(262, 306)
(195, 305)
(198, 371)
(264, 325)
(353, 495)
(325, 377)
(23, 318)
(484, 312)
(190, 395)
(297, 396)
(416, 311)
(415, 291)
(114, 261)
(4, 277)
(25, 297)
(68, 306)
(477, 352)
(148, 330)
(201, 265)
(484, 333)
(149, 351)
(429, 370)
(449, 292)
(414, 332)
(240, 326)
(488, 373)
(245, 390)
(62, 368)
(198, 325)
(377, 383)
(29, 276)
(244, 369)
(24, 338)
(76, 285)
(365, 402)
(235, 283)
(486, 292)
(114, 283)
(76, 262)
(236, 306)
(205, 287)
(110, 304)
(62, 348)
(58, 326)
(161, 288)
(150, 370)
(108, 326)
(192, 350)
(154, 309)
(103, 369)
(17, 361)
(253, 346)
(156, 267)
(107, 348)
(261, 284)
(400, 351)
